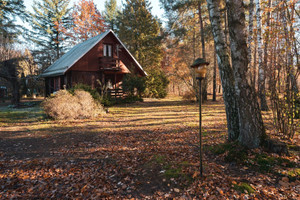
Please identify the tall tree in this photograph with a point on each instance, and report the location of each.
(10, 69)
(186, 23)
(250, 37)
(86, 21)
(201, 29)
(111, 13)
(251, 125)
(215, 77)
(204, 90)
(140, 31)
(226, 72)
(49, 21)
(261, 69)
(9, 11)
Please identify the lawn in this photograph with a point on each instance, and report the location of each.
(144, 150)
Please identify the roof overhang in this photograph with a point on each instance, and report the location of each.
(64, 63)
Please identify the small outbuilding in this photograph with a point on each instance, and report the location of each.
(101, 60)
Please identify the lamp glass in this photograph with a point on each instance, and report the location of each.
(201, 71)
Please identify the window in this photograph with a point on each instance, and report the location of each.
(107, 50)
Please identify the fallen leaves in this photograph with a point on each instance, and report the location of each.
(144, 151)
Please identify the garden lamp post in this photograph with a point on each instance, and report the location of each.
(200, 68)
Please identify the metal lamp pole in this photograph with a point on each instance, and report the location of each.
(200, 68)
(200, 125)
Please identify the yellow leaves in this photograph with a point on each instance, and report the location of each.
(220, 191)
(196, 174)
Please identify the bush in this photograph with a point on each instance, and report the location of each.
(132, 83)
(156, 84)
(95, 94)
(189, 96)
(64, 105)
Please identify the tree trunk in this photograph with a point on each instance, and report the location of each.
(225, 70)
(267, 38)
(57, 46)
(11, 75)
(16, 92)
(251, 125)
(204, 88)
(254, 83)
(201, 29)
(250, 37)
(288, 38)
(215, 77)
(261, 70)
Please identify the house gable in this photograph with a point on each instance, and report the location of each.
(85, 56)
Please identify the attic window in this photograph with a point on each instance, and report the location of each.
(107, 50)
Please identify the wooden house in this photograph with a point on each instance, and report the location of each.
(103, 58)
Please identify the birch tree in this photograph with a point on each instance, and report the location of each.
(226, 72)
(261, 70)
(251, 125)
(250, 37)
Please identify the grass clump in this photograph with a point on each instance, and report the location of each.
(173, 172)
(266, 163)
(294, 174)
(233, 152)
(160, 159)
(63, 105)
(243, 187)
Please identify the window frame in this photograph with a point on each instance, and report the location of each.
(108, 50)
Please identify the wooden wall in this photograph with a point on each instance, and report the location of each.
(86, 69)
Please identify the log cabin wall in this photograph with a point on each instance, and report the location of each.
(88, 78)
(87, 69)
(90, 61)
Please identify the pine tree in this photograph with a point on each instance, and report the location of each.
(140, 32)
(87, 21)
(49, 22)
(111, 13)
(9, 11)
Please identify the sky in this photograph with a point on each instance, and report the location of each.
(155, 4)
(156, 10)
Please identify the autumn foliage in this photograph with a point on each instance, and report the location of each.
(87, 21)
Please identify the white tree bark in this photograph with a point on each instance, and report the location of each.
(250, 36)
(261, 70)
(251, 125)
(225, 70)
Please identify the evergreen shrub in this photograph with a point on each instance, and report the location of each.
(156, 84)
(134, 85)
(95, 94)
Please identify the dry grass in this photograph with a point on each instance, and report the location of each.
(64, 105)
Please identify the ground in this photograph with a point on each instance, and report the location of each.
(144, 150)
